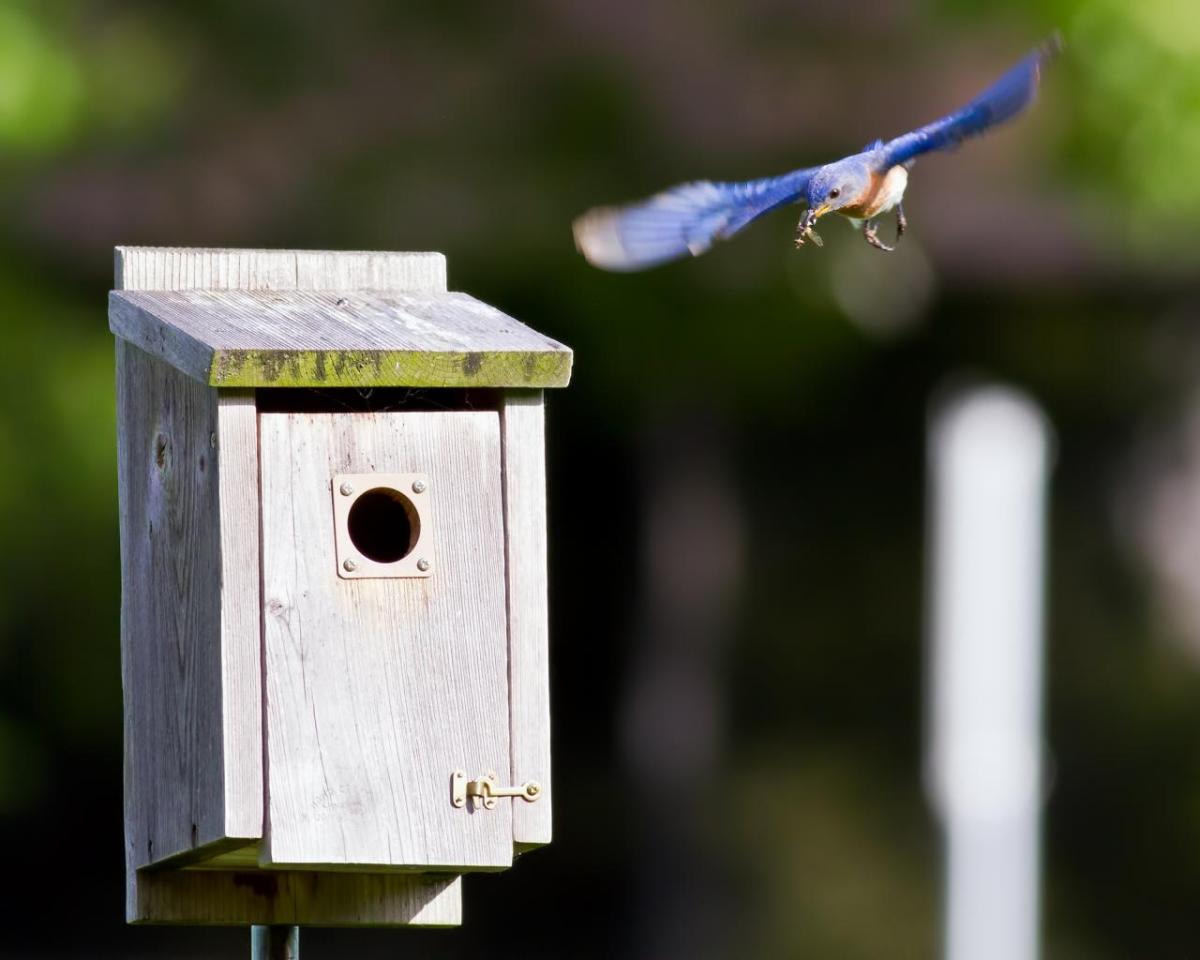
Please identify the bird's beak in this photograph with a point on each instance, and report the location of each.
(805, 231)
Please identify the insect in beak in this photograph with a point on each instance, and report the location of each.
(805, 231)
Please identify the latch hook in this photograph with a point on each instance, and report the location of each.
(486, 789)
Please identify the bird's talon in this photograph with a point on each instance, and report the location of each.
(869, 232)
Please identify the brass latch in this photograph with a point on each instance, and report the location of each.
(487, 789)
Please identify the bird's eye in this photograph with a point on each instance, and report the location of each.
(834, 193)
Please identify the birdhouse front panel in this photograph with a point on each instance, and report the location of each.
(379, 687)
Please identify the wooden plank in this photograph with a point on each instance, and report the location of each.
(315, 339)
(183, 351)
(179, 729)
(522, 425)
(189, 268)
(377, 690)
(212, 897)
(241, 611)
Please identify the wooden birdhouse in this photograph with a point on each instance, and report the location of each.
(333, 618)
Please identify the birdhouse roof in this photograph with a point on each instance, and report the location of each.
(279, 329)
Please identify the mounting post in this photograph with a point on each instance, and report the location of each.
(274, 942)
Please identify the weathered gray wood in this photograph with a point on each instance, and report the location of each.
(189, 625)
(377, 690)
(287, 897)
(186, 268)
(328, 339)
(183, 351)
(523, 433)
(241, 611)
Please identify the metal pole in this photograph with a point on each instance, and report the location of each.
(990, 452)
(274, 943)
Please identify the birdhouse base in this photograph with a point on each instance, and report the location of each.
(237, 898)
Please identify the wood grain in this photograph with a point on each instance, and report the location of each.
(240, 603)
(302, 338)
(213, 897)
(522, 425)
(376, 690)
(182, 735)
(190, 268)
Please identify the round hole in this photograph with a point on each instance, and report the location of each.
(383, 525)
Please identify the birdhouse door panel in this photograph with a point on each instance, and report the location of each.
(379, 687)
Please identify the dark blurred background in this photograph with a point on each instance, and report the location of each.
(737, 470)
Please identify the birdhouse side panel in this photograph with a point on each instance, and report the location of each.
(523, 431)
(178, 728)
(380, 686)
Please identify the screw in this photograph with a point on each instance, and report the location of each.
(212, 440)
(532, 789)
(349, 565)
(422, 564)
(346, 489)
(418, 486)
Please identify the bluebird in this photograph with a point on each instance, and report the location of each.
(691, 217)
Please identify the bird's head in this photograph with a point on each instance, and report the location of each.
(831, 188)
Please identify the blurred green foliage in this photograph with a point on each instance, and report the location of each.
(68, 72)
(1130, 132)
(1140, 64)
(40, 95)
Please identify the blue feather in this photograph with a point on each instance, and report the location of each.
(686, 219)
(1002, 101)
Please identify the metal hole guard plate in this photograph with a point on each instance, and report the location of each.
(487, 788)
(412, 489)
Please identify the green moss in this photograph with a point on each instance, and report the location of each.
(349, 368)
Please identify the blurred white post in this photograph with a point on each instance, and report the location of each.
(989, 456)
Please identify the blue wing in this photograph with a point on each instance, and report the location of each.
(1002, 101)
(687, 219)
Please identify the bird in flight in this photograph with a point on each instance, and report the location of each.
(691, 217)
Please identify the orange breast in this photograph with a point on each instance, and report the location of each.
(883, 192)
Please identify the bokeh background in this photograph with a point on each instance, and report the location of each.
(737, 470)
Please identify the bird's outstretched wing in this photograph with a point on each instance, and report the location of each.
(1002, 101)
(685, 219)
